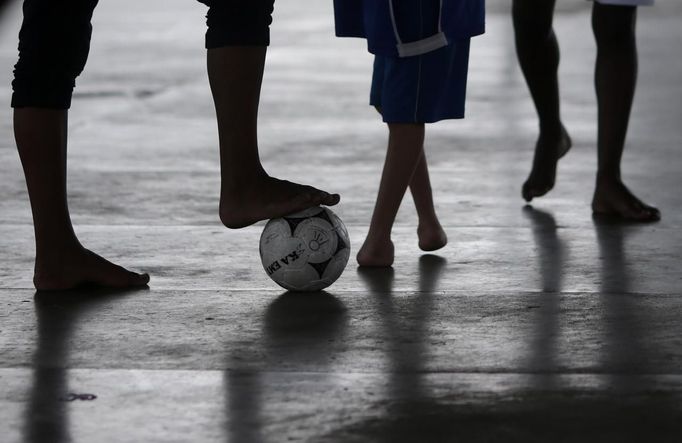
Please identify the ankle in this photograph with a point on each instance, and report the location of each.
(552, 131)
(608, 177)
(378, 237)
(57, 254)
(429, 221)
(235, 181)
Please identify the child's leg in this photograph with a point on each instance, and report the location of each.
(53, 48)
(615, 80)
(405, 145)
(430, 232)
(538, 53)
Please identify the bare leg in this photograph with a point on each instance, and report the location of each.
(431, 234)
(615, 80)
(248, 194)
(405, 145)
(61, 261)
(538, 53)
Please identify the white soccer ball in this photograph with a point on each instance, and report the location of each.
(306, 251)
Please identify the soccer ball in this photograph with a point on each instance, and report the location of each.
(306, 251)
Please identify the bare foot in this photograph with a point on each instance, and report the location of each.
(548, 151)
(431, 236)
(267, 197)
(614, 200)
(81, 267)
(376, 253)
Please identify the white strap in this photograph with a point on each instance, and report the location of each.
(420, 46)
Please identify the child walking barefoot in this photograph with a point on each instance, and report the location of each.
(420, 74)
(405, 149)
(613, 24)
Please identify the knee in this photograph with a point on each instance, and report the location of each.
(614, 26)
(238, 23)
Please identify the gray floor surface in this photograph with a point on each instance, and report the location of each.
(533, 325)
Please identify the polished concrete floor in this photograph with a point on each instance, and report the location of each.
(535, 324)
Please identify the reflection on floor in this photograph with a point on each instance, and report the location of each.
(535, 324)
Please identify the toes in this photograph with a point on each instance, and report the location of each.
(318, 197)
(654, 214)
(136, 279)
(325, 198)
(120, 277)
(308, 195)
(645, 214)
(526, 194)
(126, 279)
(529, 192)
(641, 212)
(331, 199)
(649, 214)
(614, 199)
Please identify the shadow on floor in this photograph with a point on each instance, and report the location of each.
(58, 314)
(626, 407)
(298, 328)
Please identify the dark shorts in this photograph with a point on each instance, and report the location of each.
(238, 22)
(54, 42)
(422, 89)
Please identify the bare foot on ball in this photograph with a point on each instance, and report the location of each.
(267, 197)
(612, 199)
(431, 236)
(376, 253)
(548, 151)
(79, 267)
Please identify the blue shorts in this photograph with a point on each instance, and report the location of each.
(422, 89)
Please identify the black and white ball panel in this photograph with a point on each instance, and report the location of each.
(306, 251)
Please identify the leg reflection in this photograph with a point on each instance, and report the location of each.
(551, 257)
(414, 414)
(46, 417)
(551, 249)
(629, 361)
(625, 351)
(615, 272)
